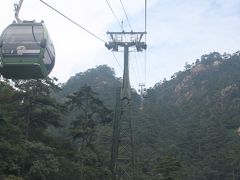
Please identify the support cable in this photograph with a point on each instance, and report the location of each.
(73, 21)
(119, 22)
(81, 28)
(117, 61)
(145, 67)
(139, 78)
(145, 17)
(125, 12)
(145, 58)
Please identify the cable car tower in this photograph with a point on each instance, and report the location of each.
(122, 153)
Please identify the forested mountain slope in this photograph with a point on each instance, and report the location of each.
(193, 118)
(189, 123)
(186, 129)
(102, 80)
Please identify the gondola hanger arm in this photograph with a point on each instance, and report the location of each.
(17, 8)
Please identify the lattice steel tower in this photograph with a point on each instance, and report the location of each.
(122, 153)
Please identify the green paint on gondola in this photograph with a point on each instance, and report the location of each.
(26, 51)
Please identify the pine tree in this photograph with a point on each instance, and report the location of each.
(90, 112)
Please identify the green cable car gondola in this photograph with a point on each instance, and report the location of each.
(26, 51)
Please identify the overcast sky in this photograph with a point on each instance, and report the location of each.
(179, 31)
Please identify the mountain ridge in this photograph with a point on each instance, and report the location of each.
(191, 119)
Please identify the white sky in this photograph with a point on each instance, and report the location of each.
(179, 31)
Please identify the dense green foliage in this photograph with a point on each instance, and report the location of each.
(32, 145)
(187, 128)
(194, 119)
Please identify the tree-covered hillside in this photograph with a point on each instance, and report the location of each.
(194, 118)
(187, 128)
(102, 79)
(32, 145)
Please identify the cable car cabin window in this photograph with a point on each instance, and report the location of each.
(48, 61)
(22, 40)
(50, 48)
(46, 58)
(49, 55)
